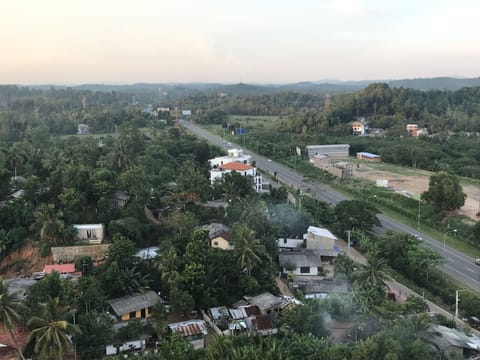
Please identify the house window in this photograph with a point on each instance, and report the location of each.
(132, 314)
(305, 269)
(215, 243)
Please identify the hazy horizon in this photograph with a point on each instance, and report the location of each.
(269, 42)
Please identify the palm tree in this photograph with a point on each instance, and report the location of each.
(246, 247)
(10, 309)
(169, 266)
(51, 332)
(49, 222)
(375, 274)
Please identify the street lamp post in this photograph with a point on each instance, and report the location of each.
(418, 216)
(445, 240)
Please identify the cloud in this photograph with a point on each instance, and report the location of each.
(347, 7)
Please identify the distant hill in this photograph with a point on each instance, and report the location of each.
(314, 87)
(439, 83)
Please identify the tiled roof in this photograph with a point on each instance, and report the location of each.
(60, 268)
(189, 328)
(234, 166)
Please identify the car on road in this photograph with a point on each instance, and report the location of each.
(477, 262)
(417, 237)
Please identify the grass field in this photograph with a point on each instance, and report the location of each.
(254, 122)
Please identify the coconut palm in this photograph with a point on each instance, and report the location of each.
(49, 223)
(169, 266)
(10, 312)
(374, 274)
(51, 332)
(247, 247)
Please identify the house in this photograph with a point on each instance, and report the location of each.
(134, 306)
(334, 150)
(82, 129)
(318, 238)
(304, 262)
(118, 199)
(358, 128)
(219, 236)
(412, 129)
(453, 343)
(186, 112)
(243, 169)
(265, 302)
(234, 155)
(261, 324)
(62, 269)
(368, 156)
(132, 345)
(91, 233)
(322, 289)
(194, 331)
(286, 243)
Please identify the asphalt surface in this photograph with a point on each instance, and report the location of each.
(457, 265)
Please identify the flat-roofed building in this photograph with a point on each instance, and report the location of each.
(334, 150)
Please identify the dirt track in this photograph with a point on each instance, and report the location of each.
(417, 184)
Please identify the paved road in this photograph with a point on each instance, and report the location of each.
(457, 265)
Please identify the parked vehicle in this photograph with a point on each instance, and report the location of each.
(417, 237)
(477, 262)
(474, 322)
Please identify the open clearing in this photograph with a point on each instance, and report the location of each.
(416, 181)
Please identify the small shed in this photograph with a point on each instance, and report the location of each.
(91, 233)
(368, 156)
(193, 330)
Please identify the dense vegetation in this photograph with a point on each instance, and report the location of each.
(68, 179)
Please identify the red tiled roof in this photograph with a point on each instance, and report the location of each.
(60, 268)
(234, 166)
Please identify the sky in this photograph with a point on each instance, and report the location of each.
(231, 41)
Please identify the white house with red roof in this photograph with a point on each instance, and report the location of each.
(234, 155)
(243, 169)
(239, 162)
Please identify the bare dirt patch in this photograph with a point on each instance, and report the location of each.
(418, 183)
(24, 261)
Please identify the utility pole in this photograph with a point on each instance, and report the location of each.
(348, 248)
(457, 292)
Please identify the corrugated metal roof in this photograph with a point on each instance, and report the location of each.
(321, 232)
(368, 155)
(129, 303)
(218, 312)
(190, 328)
(238, 313)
